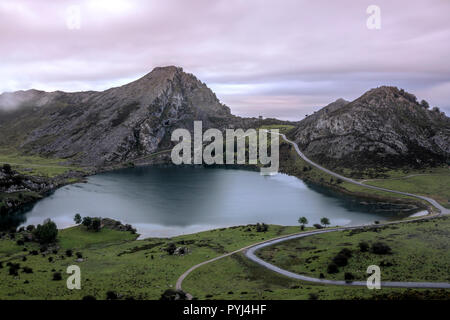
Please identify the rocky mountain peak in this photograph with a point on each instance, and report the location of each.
(115, 125)
(385, 127)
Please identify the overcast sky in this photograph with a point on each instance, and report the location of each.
(278, 58)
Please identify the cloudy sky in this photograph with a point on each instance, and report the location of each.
(280, 58)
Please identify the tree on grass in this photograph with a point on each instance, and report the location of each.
(47, 232)
(77, 218)
(303, 221)
(87, 221)
(325, 221)
(96, 224)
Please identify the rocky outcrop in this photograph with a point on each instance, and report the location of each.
(113, 126)
(385, 127)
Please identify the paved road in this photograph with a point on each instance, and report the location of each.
(250, 250)
(250, 253)
(429, 200)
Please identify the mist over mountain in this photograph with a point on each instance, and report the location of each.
(112, 126)
(385, 127)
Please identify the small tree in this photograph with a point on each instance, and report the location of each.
(363, 246)
(96, 224)
(47, 232)
(424, 104)
(303, 221)
(77, 218)
(7, 168)
(325, 221)
(87, 222)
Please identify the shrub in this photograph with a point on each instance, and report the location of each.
(1, 265)
(363, 246)
(313, 296)
(111, 295)
(50, 259)
(13, 269)
(68, 252)
(30, 227)
(171, 294)
(317, 226)
(79, 255)
(340, 260)
(380, 248)
(57, 276)
(34, 252)
(27, 270)
(261, 227)
(7, 168)
(47, 232)
(349, 277)
(171, 248)
(96, 224)
(346, 252)
(89, 297)
(20, 242)
(332, 268)
(87, 221)
(424, 104)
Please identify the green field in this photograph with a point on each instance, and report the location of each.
(115, 261)
(35, 165)
(435, 186)
(420, 252)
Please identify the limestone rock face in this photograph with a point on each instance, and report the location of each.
(385, 127)
(112, 126)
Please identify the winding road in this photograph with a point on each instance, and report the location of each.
(251, 249)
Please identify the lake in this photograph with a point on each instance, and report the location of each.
(168, 201)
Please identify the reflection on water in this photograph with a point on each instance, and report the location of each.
(167, 201)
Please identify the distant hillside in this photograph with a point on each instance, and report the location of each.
(112, 126)
(385, 127)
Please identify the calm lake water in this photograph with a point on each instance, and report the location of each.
(163, 202)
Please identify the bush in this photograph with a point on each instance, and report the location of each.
(96, 224)
(27, 270)
(349, 277)
(111, 295)
(346, 252)
(30, 227)
(68, 252)
(332, 268)
(171, 248)
(171, 294)
(20, 242)
(57, 276)
(79, 255)
(13, 269)
(380, 248)
(363, 246)
(47, 232)
(318, 226)
(88, 297)
(261, 227)
(340, 260)
(313, 296)
(7, 168)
